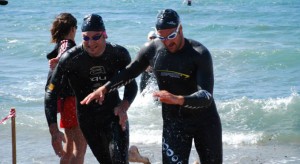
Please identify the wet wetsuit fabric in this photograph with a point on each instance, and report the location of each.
(66, 99)
(188, 72)
(144, 80)
(98, 123)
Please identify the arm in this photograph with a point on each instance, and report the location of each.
(57, 137)
(132, 71)
(130, 92)
(51, 94)
(64, 45)
(129, 95)
(205, 82)
(53, 62)
(119, 80)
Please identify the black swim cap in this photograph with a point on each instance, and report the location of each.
(92, 22)
(166, 19)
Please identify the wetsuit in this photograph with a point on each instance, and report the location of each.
(98, 123)
(144, 80)
(188, 72)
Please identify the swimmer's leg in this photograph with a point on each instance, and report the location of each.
(176, 143)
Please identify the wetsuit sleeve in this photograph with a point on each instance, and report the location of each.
(205, 82)
(135, 68)
(131, 89)
(53, 53)
(52, 90)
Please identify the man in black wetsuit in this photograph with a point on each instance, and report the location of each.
(184, 72)
(87, 67)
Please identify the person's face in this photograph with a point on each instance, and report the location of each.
(171, 38)
(94, 42)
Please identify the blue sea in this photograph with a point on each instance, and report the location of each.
(255, 47)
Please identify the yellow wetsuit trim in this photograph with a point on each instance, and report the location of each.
(181, 74)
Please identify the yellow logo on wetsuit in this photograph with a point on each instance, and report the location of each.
(51, 87)
(173, 74)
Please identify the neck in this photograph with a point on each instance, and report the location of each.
(69, 37)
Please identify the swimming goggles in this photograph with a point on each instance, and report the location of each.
(171, 36)
(95, 38)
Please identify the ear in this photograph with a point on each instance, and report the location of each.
(105, 35)
(180, 30)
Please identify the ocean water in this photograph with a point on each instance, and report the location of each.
(256, 55)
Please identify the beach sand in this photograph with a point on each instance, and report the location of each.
(236, 154)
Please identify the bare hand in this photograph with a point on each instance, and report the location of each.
(53, 62)
(168, 98)
(97, 95)
(57, 139)
(121, 111)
